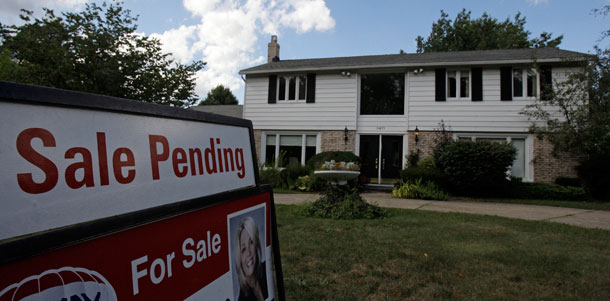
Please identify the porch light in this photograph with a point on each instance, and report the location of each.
(416, 134)
(345, 132)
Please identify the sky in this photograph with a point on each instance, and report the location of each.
(231, 35)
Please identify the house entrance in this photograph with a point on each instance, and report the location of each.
(381, 158)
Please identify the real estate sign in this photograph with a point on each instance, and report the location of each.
(106, 199)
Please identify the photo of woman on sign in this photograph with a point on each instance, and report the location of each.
(248, 258)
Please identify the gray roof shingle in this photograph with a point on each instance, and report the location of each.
(482, 57)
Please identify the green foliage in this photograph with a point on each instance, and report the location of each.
(413, 158)
(319, 159)
(483, 33)
(427, 162)
(341, 202)
(270, 176)
(474, 168)
(290, 174)
(568, 181)
(433, 175)
(422, 190)
(96, 50)
(306, 183)
(582, 126)
(544, 191)
(219, 96)
(595, 171)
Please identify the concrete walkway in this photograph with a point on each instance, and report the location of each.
(577, 217)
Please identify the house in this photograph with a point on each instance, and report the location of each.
(226, 110)
(382, 107)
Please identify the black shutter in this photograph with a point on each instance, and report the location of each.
(441, 94)
(546, 83)
(477, 84)
(311, 88)
(506, 87)
(272, 88)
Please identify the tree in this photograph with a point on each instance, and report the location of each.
(219, 96)
(481, 34)
(580, 121)
(96, 50)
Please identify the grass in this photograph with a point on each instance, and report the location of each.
(419, 255)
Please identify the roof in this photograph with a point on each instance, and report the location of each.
(226, 110)
(475, 57)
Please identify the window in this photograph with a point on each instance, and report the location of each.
(382, 94)
(289, 87)
(518, 168)
(458, 84)
(293, 88)
(520, 83)
(291, 149)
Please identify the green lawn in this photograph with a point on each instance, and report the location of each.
(428, 255)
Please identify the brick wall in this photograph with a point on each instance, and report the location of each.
(335, 141)
(547, 167)
(257, 143)
(425, 143)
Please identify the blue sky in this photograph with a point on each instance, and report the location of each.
(231, 35)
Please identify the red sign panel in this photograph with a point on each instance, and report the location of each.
(204, 254)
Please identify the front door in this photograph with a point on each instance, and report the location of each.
(369, 154)
(381, 158)
(391, 157)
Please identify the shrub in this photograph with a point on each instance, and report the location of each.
(339, 202)
(319, 159)
(567, 181)
(413, 158)
(433, 175)
(290, 174)
(420, 190)
(270, 176)
(427, 162)
(595, 173)
(474, 168)
(545, 191)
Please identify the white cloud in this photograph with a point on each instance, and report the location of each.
(227, 36)
(10, 10)
(536, 2)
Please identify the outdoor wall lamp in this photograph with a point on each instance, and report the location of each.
(416, 134)
(346, 73)
(345, 132)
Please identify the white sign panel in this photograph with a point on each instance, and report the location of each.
(62, 166)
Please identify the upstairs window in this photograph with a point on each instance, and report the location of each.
(286, 88)
(291, 88)
(458, 84)
(382, 94)
(525, 83)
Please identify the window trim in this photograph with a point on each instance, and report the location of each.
(524, 74)
(297, 91)
(303, 134)
(458, 77)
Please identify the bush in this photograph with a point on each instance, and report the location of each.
(339, 202)
(433, 175)
(420, 190)
(427, 162)
(595, 173)
(567, 181)
(290, 174)
(545, 191)
(270, 176)
(319, 159)
(474, 168)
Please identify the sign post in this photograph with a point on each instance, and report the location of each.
(108, 199)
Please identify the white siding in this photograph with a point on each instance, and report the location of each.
(334, 107)
(489, 115)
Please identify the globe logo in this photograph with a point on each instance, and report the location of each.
(64, 284)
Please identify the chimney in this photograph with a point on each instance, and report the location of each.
(273, 52)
